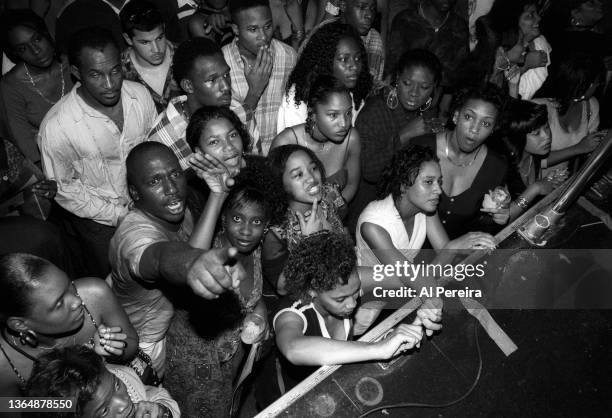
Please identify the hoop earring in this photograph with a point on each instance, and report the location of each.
(392, 100)
(28, 337)
(427, 105)
(574, 22)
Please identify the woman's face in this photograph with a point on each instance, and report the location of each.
(474, 122)
(588, 13)
(244, 226)
(302, 179)
(220, 139)
(31, 47)
(415, 85)
(347, 62)
(342, 300)
(529, 22)
(334, 117)
(55, 306)
(111, 399)
(538, 142)
(424, 194)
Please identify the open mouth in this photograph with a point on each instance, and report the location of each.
(314, 190)
(232, 161)
(176, 207)
(244, 243)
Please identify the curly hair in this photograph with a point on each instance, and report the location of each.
(18, 274)
(255, 184)
(486, 92)
(318, 59)
(319, 263)
(12, 19)
(199, 120)
(419, 58)
(404, 169)
(73, 372)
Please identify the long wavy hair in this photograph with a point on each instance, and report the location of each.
(318, 59)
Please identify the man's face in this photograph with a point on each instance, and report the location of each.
(149, 46)
(159, 187)
(100, 75)
(254, 28)
(209, 81)
(360, 15)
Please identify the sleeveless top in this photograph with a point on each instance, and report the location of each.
(384, 214)
(340, 177)
(314, 326)
(22, 380)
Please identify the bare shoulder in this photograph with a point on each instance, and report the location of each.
(93, 289)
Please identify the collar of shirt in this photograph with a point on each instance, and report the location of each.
(78, 108)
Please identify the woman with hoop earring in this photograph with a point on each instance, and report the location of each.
(392, 117)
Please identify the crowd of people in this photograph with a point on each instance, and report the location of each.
(184, 181)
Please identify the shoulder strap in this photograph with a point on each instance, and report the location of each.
(295, 135)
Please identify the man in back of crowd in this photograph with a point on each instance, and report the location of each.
(85, 138)
(148, 58)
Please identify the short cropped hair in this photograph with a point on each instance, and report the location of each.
(94, 37)
(188, 52)
(140, 15)
(237, 6)
(18, 273)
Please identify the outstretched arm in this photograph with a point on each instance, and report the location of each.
(316, 351)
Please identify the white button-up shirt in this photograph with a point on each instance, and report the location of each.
(84, 151)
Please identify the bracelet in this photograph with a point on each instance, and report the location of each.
(299, 34)
(331, 9)
(522, 202)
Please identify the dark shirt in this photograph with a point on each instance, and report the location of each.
(461, 213)
(378, 126)
(410, 30)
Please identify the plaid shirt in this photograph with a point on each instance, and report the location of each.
(266, 112)
(376, 56)
(170, 128)
(171, 88)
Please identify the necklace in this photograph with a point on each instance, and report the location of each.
(25, 66)
(459, 164)
(10, 362)
(434, 27)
